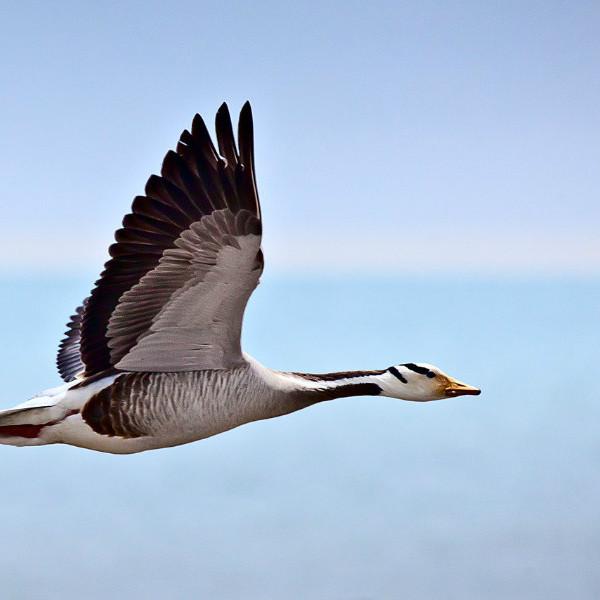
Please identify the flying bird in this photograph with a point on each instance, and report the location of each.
(152, 358)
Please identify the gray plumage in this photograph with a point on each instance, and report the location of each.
(159, 405)
(186, 314)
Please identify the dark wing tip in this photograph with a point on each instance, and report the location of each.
(199, 126)
(245, 124)
(223, 118)
(246, 144)
(225, 138)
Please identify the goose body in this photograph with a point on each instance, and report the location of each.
(152, 358)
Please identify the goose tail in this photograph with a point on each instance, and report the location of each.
(25, 425)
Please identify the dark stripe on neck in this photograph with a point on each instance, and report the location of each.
(344, 391)
(336, 376)
(397, 374)
(419, 370)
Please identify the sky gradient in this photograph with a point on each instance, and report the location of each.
(458, 137)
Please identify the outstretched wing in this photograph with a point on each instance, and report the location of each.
(184, 264)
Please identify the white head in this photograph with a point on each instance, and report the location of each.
(421, 383)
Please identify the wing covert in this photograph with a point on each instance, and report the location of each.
(186, 314)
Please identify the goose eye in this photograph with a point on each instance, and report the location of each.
(431, 374)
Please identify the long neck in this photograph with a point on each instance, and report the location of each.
(303, 389)
(317, 387)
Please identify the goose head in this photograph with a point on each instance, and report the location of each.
(422, 382)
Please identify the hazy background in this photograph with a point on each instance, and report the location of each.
(429, 180)
(438, 135)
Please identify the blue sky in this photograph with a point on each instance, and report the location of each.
(459, 137)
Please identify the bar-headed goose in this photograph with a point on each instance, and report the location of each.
(152, 357)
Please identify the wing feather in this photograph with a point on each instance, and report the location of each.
(193, 300)
(196, 182)
(68, 360)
